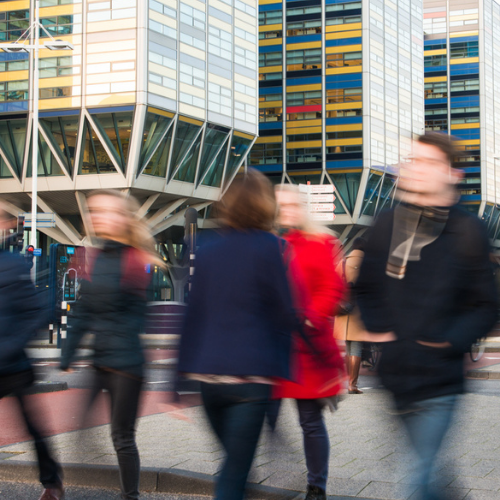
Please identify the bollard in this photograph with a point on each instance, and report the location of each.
(51, 333)
(64, 322)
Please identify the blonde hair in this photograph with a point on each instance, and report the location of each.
(308, 225)
(138, 234)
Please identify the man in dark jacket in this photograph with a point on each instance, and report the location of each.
(21, 314)
(427, 283)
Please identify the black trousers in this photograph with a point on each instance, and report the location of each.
(236, 413)
(17, 384)
(124, 392)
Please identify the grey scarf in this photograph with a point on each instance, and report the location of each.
(414, 228)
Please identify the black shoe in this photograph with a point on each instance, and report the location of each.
(315, 493)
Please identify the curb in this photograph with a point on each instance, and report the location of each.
(483, 375)
(45, 387)
(171, 481)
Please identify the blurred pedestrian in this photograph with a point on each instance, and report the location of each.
(348, 326)
(22, 313)
(426, 282)
(237, 333)
(112, 306)
(318, 366)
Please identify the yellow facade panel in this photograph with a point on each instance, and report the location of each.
(304, 172)
(270, 27)
(160, 112)
(60, 81)
(270, 139)
(267, 2)
(302, 46)
(473, 142)
(61, 10)
(303, 144)
(344, 105)
(344, 142)
(465, 60)
(343, 48)
(305, 130)
(343, 34)
(464, 33)
(344, 27)
(439, 52)
(111, 99)
(11, 76)
(271, 69)
(15, 5)
(462, 126)
(302, 123)
(435, 79)
(304, 88)
(59, 103)
(270, 104)
(344, 70)
(270, 41)
(346, 127)
(245, 136)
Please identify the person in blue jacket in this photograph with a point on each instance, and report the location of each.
(22, 313)
(236, 337)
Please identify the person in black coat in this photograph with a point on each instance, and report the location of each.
(22, 313)
(236, 339)
(112, 306)
(426, 282)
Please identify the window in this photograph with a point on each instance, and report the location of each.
(265, 154)
(219, 99)
(245, 8)
(343, 6)
(343, 59)
(437, 90)
(56, 92)
(350, 134)
(464, 49)
(271, 114)
(245, 57)
(303, 10)
(192, 17)
(52, 3)
(169, 83)
(297, 60)
(343, 95)
(356, 148)
(22, 64)
(14, 91)
(162, 28)
(162, 9)
(194, 42)
(303, 155)
(263, 35)
(343, 113)
(303, 28)
(437, 46)
(270, 17)
(245, 35)
(244, 111)
(168, 62)
(473, 109)
(271, 97)
(58, 66)
(436, 125)
(192, 100)
(13, 24)
(220, 42)
(440, 111)
(245, 89)
(343, 20)
(313, 115)
(310, 98)
(303, 137)
(464, 85)
(57, 25)
(270, 76)
(192, 76)
(270, 59)
(431, 61)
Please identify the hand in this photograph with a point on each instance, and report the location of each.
(308, 323)
(439, 345)
(331, 403)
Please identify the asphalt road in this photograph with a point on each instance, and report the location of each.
(29, 491)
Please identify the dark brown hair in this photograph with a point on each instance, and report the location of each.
(443, 142)
(249, 203)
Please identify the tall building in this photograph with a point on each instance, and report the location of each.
(158, 98)
(462, 94)
(341, 96)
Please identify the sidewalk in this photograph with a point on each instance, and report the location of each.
(370, 456)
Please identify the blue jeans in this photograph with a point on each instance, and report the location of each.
(427, 423)
(316, 441)
(236, 413)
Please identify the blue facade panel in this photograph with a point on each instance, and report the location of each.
(271, 48)
(271, 6)
(269, 169)
(271, 125)
(466, 134)
(303, 39)
(344, 164)
(465, 100)
(13, 107)
(290, 82)
(434, 42)
(464, 69)
(343, 41)
(349, 120)
(270, 90)
(350, 80)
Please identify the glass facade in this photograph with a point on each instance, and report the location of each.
(340, 96)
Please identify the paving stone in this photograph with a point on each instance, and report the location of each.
(477, 483)
(389, 491)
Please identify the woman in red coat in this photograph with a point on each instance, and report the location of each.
(318, 365)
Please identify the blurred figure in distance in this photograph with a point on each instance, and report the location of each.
(426, 282)
(112, 306)
(21, 314)
(237, 333)
(318, 366)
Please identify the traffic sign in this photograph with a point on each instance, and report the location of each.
(321, 207)
(42, 220)
(37, 252)
(323, 216)
(314, 189)
(322, 198)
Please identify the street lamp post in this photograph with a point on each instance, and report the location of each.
(20, 46)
